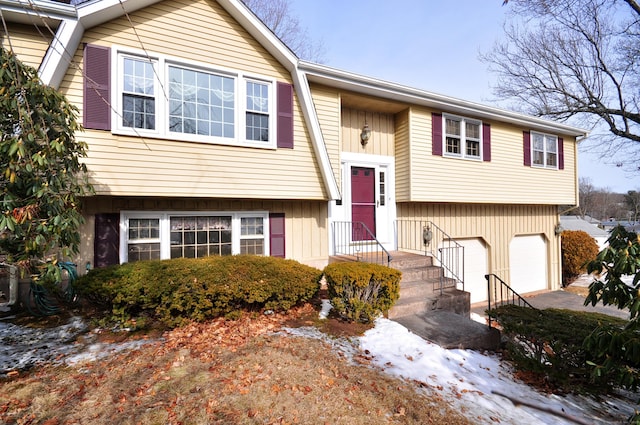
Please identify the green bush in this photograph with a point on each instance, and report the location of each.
(174, 291)
(362, 291)
(578, 248)
(552, 343)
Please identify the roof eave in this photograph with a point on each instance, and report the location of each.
(333, 77)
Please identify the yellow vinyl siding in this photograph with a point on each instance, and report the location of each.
(29, 43)
(403, 157)
(504, 179)
(496, 225)
(203, 32)
(301, 218)
(327, 106)
(382, 140)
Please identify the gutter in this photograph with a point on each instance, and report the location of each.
(393, 91)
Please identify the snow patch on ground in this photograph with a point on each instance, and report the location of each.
(470, 380)
(23, 347)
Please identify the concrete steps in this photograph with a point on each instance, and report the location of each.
(420, 288)
(440, 315)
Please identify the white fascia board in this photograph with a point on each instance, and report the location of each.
(254, 26)
(70, 32)
(95, 13)
(393, 91)
(38, 8)
(60, 52)
(308, 110)
(289, 60)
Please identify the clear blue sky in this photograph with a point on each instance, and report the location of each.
(427, 44)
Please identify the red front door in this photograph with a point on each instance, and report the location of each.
(363, 202)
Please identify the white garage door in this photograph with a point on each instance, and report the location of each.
(475, 267)
(528, 263)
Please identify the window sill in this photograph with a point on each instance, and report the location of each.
(193, 138)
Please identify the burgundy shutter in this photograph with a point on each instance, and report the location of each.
(97, 67)
(276, 235)
(285, 115)
(486, 142)
(526, 138)
(106, 245)
(560, 153)
(436, 134)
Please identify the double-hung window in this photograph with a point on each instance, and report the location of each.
(462, 137)
(150, 235)
(257, 111)
(138, 94)
(143, 238)
(544, 150)
(161, 97)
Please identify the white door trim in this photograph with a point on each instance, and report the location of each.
(385, 215)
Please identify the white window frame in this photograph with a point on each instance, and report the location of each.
(165, 228)
(161, 65)
(545, 138)
(463, 137)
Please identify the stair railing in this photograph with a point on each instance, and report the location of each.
(499, 293)
(425, 237)
(356, 240)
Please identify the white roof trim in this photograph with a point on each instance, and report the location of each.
(56, 61)
(308, 110)
(375, 87)
(260, 32)
(37, 8)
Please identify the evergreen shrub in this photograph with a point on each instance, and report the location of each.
(359, 292)
(578, 249)
(183, 289)
(551, 343)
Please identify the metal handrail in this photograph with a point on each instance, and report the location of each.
(355, 239)
(421, 236)
(500, 294)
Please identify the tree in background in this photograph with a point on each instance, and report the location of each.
(632, 199)
(566, 59)
(41, 176)
(277, 15)
(587, 197)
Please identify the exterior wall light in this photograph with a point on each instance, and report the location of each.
(427, 235)
(558, 230)
(365, 134)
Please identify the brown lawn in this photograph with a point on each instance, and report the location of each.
(225, 372)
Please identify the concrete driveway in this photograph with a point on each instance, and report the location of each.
(571, 301)
(566, 300)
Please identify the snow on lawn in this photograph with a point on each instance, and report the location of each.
(471, 380)
(22, 347)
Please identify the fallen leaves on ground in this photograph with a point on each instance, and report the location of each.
(223, 372)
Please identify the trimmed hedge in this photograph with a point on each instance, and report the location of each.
(362, 291)
(182, 289)
(552, 343)
(578, 248)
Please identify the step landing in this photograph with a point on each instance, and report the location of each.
(451, 330)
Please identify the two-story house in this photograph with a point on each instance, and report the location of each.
(208, 136)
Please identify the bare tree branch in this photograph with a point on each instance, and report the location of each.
(277, 15)
(574, 59)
